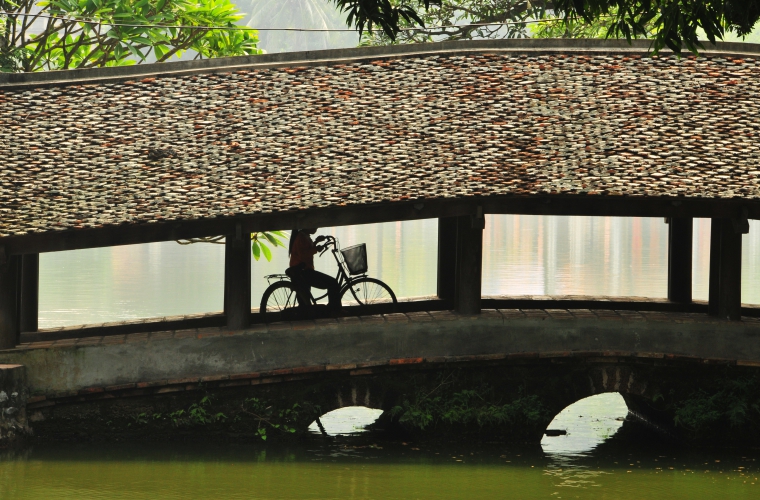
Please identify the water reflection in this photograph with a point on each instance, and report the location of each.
(324, 469)
(346, 421)
(588, 423)
(523, 255)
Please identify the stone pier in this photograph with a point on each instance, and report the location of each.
(13, 396)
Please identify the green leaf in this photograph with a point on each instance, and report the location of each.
(256, 249)
(274, 241)
(267, 252)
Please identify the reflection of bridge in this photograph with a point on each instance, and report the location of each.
(446, 131)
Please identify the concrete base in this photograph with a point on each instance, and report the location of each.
(13, 397)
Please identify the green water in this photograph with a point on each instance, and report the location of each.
(395, 471)
(600, 457)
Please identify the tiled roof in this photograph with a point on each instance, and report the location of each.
(428, 126)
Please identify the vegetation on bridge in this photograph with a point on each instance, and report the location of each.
(457, 408)
(718, 412)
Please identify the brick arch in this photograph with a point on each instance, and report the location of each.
(630, 381)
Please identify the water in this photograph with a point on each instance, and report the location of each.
(523, 255)
(584, 464)
(580, 465)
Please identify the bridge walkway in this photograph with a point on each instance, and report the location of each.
(158, 362)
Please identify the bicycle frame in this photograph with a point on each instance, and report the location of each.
(343, 277)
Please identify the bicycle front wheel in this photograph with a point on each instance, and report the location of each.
(367, 291)
(278, 297)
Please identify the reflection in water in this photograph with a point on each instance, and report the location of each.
(588, 422)
(346, 421)
(368, 470)
(522, 255)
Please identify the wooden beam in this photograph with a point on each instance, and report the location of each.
(447, 257)
(237, 279)
(469, 266)
(30, 291)
(9, 295)
(713, 305)
(730, 293)
(616, 206)
(680, 235)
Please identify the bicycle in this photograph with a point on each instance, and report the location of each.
(357, 289)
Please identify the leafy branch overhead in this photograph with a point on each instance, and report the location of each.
(55, 34)
(465, 20)
(670, 23)
(259, 242)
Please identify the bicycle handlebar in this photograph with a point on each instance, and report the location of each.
(328, 242)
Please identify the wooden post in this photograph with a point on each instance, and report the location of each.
(447, 257)
(30, 287)
(9, 295)
(679, 259)
(237, 280)
(730, 293)
(713, 306)
(469, 263)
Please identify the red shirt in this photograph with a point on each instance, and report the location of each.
(303, 251)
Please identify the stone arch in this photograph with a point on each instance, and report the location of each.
(633, 382)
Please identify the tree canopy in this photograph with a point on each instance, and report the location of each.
(670, 23)
(62, 34)
(464, 20)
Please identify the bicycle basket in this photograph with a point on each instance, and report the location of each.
(356, 258)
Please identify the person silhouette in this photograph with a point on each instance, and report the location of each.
(301, 271)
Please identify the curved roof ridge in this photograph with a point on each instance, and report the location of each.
(335, 56)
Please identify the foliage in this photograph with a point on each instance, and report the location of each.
(675, 23)
(671, 23)
(196, 415)
(31, 42)
(577, 28)
(267, 417)
(467, 408)
(259, 242)
(466, 15)
(388, 15)
(735, 404)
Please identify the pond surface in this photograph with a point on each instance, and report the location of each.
(591, 462)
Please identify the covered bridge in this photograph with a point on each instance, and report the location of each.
(116, 156)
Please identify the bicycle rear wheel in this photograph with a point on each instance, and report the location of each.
(278, 297)
(367, 291)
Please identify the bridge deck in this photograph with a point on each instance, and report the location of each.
(527, 303)
(80, 335)
(77, 369)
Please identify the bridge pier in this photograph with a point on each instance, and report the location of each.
(726, 268)
(9, 300)
(469, 263)
(30, 291)
(237, 280)
(680, 235)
